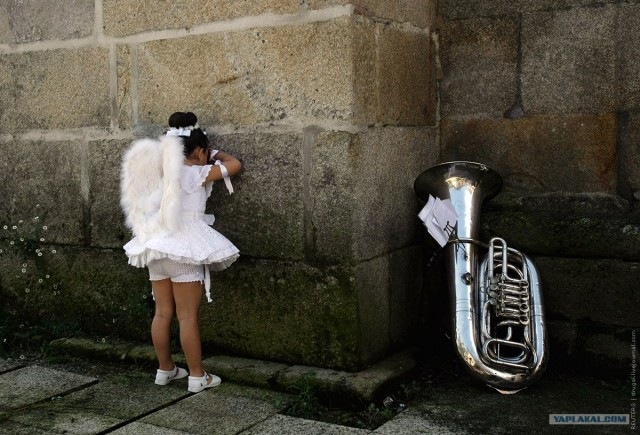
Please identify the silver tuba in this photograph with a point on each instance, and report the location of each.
(498, 323)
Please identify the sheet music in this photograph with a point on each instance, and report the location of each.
(440, 218)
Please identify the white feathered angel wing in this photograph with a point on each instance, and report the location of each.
(150, 186)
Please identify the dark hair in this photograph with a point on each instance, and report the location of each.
(197, 139)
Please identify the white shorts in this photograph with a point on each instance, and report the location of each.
(177, 272)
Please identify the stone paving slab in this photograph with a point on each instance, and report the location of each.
(33, 384)
(67, 421)
(285, 425)
(216, 411)
(137, 428)
(103, 405)
(7, 365)
(410, 423)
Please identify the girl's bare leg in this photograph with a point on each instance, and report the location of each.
(188, 296)
(161, 324)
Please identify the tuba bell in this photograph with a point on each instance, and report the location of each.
(498, 324)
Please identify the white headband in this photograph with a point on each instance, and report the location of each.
(182, 131)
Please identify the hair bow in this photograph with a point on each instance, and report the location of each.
(180, 132)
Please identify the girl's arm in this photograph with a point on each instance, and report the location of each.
(232, 165)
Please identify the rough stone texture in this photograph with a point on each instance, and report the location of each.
(629, 155)
(71, 289)
(627, 52)
(569, 61)
(405, 77)
(125, 91)
(54, 89)
(556, 232)
(27, 21)
(244, 371)
(264, 217)
(200, 413)
(604, 345)
(134, 16)
(137, 428)
(406, 270)
(251, 79)
(411, 422)
(42, 212)
(32, 384)
(495, 8)
(418, 12)
(478, 59)
(519, 150)
(284, 312)
(103, 405)
(285, 425)
(107, 220)
(372, 281)
(353, 181)
(604, 291)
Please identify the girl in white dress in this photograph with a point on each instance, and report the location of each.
(164, 185)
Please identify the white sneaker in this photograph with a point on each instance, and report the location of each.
(163, 377)
(197, 384)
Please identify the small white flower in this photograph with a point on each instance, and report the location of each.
(44, 227)
(24, 270)
(5, 227)
(40, 280)
(14, 227)
(24, 264)
(47, 276)
(53, 251)
(39, 254)
(22, 239)
(27, 290)
(42, 239)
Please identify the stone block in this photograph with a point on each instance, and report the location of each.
(583, 149)
(372, 284)
(264, 217)
(252, 77)
(70, 289)
(20, 387)
(107, 219)
(54, 89)
(603, 291)
(42, 191)
(124, 96)
(610, 347)
(627, 52)
(567, 225)
(227, 413)
(286, 425)
(29, 21)
(364, 204)
(126, 17)
(284, 311)
(456, 9)
(478, 58)
(405, 78)
(417, 12)
(568, 61)
(331, 185)
(406, 270)
(629, 155)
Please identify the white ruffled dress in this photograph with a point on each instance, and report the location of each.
(196, 242)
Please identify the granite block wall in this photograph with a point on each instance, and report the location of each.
(330, 105)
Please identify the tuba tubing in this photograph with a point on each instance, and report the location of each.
(467, 185)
